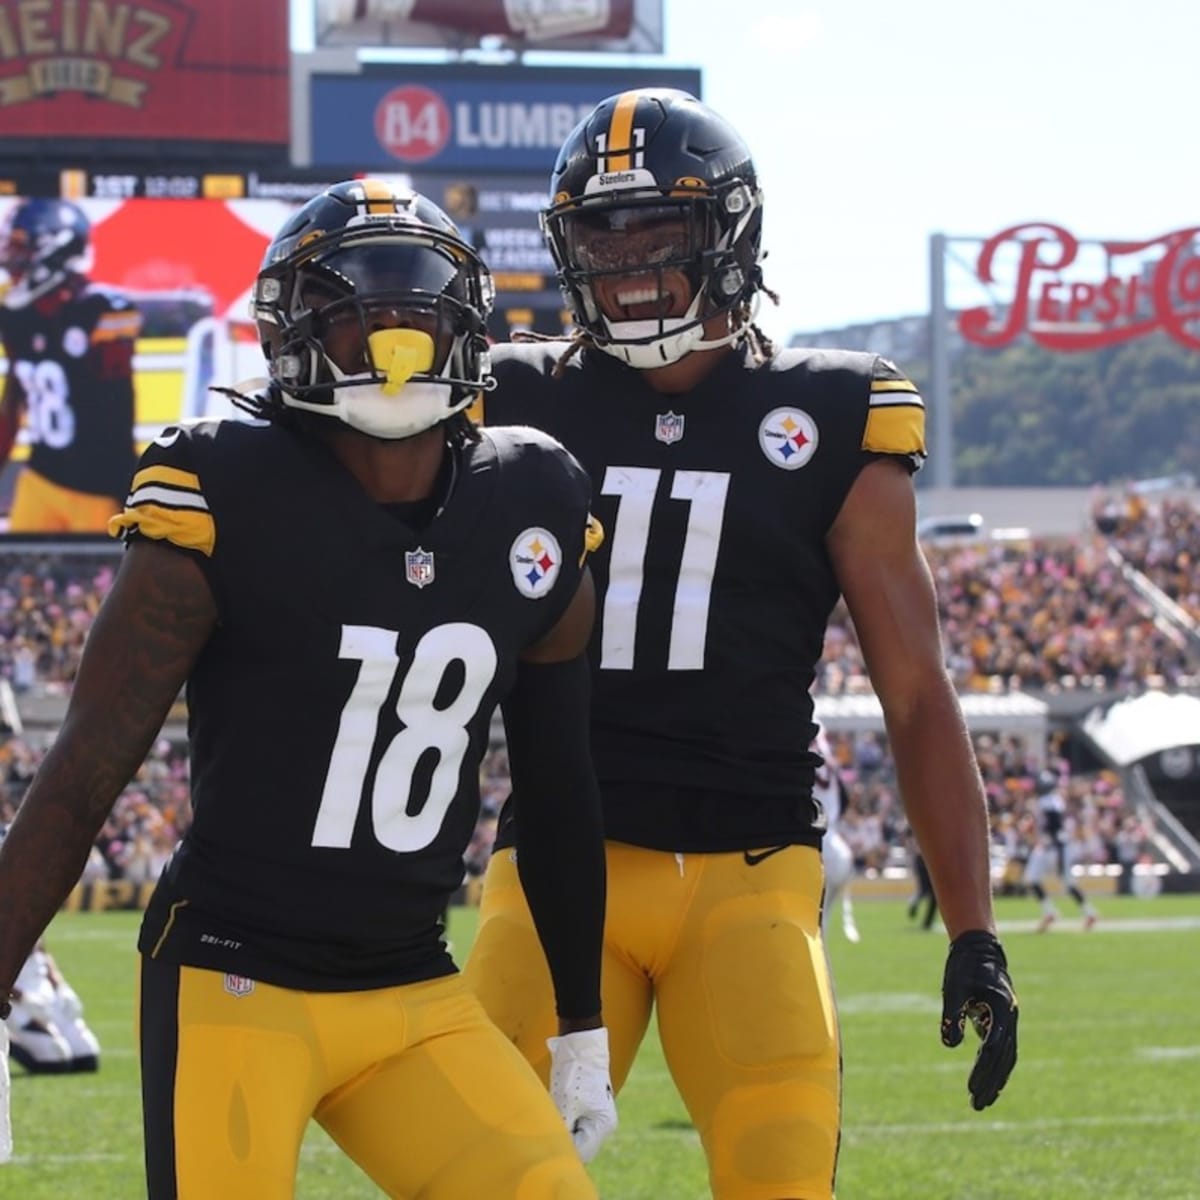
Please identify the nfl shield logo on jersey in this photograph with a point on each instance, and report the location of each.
(238, 985)
(669, 427)
(418, 566)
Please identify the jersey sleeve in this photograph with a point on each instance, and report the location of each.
(564, 508)
(593, 537)
(895, 422)
(166, 500)
(117, 320)
(586, 530)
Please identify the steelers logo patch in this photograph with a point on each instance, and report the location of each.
(535, 559)
(788, 437)
(75, 342)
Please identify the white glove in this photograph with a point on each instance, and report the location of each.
(580, 1086)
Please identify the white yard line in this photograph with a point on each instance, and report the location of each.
(1040, 1125)
(1071, 922)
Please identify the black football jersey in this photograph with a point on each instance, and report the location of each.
(1052, 815)
(714, 583)
(73, 364)
(338, 715)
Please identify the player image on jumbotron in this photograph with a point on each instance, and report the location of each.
(115, 317)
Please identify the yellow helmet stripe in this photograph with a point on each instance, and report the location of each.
(620, 133)
(378, 195)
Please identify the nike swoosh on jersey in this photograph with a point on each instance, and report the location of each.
(753, 859)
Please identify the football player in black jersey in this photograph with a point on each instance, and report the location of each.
(69, 345)
(742, 489)
(348, 584)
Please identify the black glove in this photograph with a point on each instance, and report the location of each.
(976, 985)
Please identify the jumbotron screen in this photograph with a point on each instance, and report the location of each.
(171, 260)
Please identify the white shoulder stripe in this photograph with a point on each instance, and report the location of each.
(157, 493)
(896, 400)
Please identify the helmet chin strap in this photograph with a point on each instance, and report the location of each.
(734, 335)
(365, 407)
(397, 407)
(636, 345)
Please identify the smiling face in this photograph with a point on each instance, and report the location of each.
(638, 258)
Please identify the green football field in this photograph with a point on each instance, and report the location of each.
(1104, 1104)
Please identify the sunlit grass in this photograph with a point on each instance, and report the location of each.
(1104, 1104)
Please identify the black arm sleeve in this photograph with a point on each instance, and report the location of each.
(559, 829)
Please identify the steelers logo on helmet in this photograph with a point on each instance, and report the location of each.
(788, 437)
(655, 227)
(535, 560)
(372, 309)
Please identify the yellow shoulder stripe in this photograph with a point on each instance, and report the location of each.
(164, 474)
(114, 326)
(895, 429)
(893, 385)
(593, 538)
(188, 528)
(474, 410)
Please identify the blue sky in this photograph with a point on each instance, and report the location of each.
(874, 124)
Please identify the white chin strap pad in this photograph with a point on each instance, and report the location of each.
(629, 342)
(412, 410)
(662, 351)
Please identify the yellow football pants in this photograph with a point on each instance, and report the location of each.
(40, 506)
(728, 948)
(412, 1082)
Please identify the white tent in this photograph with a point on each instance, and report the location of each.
(1008, 712)
(1133, 729)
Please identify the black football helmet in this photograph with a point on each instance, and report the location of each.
(372, 309)
(653, 183)
(45, 243)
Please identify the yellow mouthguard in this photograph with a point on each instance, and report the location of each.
(400, 354)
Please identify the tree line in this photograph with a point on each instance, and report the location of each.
(1028, 417)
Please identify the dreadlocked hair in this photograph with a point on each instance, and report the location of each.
(461, 431)
(762, 348)
(266, 404)
(579, 340)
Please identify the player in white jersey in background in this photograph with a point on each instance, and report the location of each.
(837, 858)
(46, 1030)
(1052, 853)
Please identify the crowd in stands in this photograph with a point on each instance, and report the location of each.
(148, 819)
(1037, 614)
(1054, 615)
(47, 605)
(1041, 614)
(1102, 828)
(154, 810)
(1161, 539)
